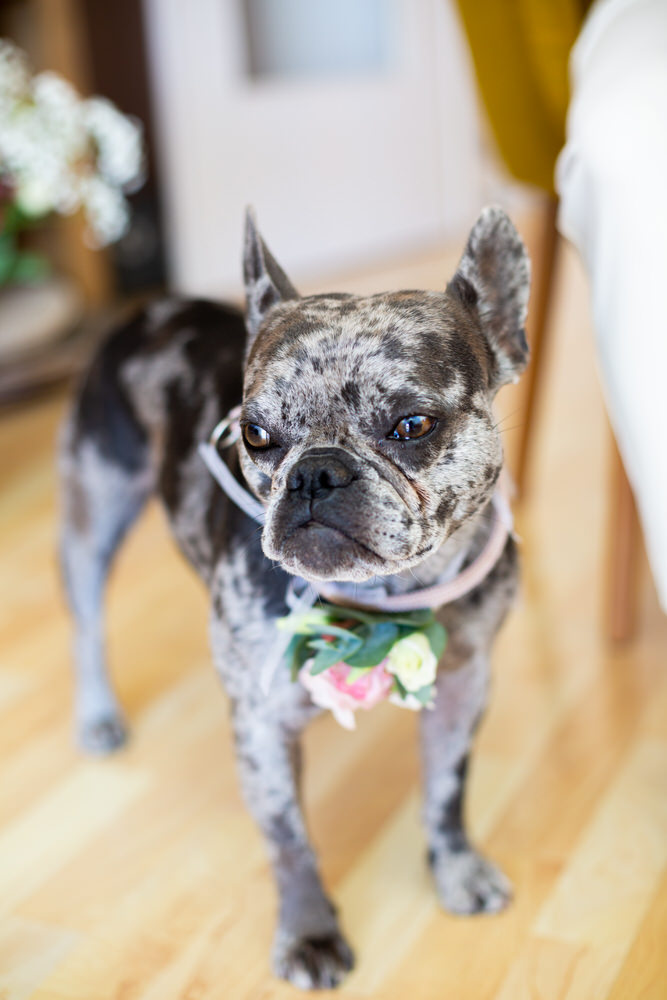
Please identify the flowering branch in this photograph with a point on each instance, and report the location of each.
(60, 153)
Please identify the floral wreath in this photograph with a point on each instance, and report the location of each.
(349, 659)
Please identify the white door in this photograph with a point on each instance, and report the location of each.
(350, 125)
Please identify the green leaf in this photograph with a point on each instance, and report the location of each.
(399, 687)
(30, 268)
(342, 633)
(424, 616)
(323, 643)
(8, 255)
(437, 637)
(324, 659)
(349, 643)
(424, 695)
(19, 266)
(376, 641)
(296, 655)
(302, 626)
(15, 219)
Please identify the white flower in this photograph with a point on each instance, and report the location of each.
(14, 73)
(410, 701)
(35, 196)
(412, 661)
(62, 153)
(57, 110)
(106, 211)
(118, 140)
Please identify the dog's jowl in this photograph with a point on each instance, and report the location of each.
(368, 436)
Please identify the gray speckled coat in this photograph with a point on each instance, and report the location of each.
(325, 381)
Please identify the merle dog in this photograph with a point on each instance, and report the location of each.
(352, 491)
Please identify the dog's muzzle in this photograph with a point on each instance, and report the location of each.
(319, 472)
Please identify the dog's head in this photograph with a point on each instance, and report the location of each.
(367, 422)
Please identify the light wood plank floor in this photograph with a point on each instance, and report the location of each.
(142, 877)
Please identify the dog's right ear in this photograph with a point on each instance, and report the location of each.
(493, 278)
(266, 284)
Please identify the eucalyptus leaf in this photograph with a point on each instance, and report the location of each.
(400, 688)
(437, 637)
(324, 659)
(334, 630)
(423, 616)
(296, 654)
(317, 643)
(424, 695)
(344, 647)
(342, 633)
(376, 640)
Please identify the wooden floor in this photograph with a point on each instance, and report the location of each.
(142, 877)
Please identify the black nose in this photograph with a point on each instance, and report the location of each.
(316, 475)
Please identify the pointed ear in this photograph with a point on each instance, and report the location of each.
(493, 277)
(266, 284)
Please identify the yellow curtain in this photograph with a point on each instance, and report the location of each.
(520, 50)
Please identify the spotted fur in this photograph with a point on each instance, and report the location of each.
(328, 377)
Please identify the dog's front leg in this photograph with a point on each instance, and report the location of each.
(309, 949)
(466, 882)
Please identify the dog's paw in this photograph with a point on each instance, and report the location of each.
(467, 883)
(313, 963)
(102, 735)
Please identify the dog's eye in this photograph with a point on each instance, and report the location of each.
(256, 436)
(412, 427)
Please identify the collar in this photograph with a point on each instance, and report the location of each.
(228, 431)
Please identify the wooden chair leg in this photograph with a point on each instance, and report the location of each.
(544, 267)
(624, 545)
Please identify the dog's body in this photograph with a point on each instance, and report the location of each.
(327, 379)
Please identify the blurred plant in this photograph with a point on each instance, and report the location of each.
(60, 153)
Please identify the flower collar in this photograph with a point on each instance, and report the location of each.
(349, 659)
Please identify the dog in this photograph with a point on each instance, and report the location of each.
(328, 385)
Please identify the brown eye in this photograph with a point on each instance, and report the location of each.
(256, 436)
(412, 427)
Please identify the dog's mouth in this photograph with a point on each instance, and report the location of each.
(350, 532)
(323, 551)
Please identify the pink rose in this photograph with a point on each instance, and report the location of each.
(331, 689)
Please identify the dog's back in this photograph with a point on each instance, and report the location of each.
(155, 388)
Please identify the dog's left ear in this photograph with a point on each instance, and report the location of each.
(493, 277)
(266, 284)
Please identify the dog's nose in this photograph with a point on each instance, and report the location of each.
(317, 475)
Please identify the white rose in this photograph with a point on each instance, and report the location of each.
(412, 661)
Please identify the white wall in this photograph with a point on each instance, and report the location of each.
(340, 168)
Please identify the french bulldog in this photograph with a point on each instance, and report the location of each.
(368, 436)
